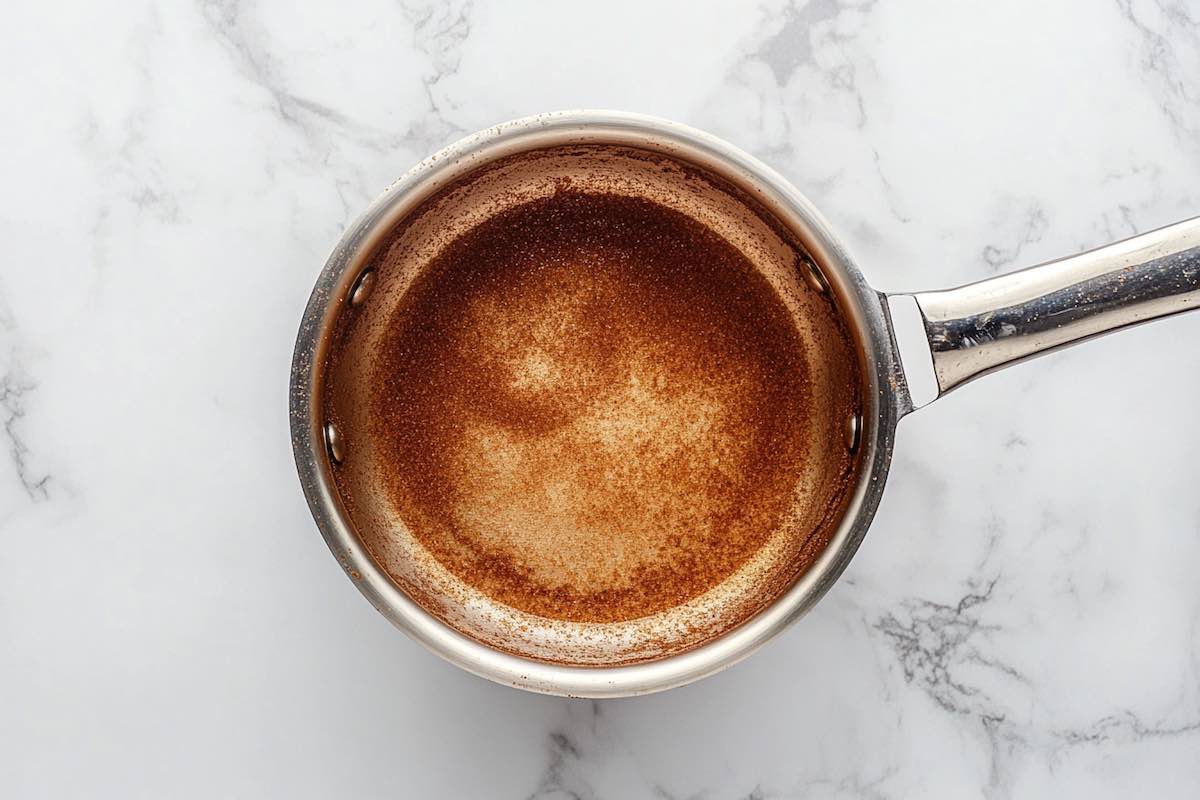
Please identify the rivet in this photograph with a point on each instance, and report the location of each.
(362, 287)
(853, 432)
(812, 274)
(334, 443)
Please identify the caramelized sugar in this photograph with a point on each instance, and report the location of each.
(593, 405)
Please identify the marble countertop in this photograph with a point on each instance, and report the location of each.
(1022, 620)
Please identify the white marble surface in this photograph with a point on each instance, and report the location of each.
(1023, 619)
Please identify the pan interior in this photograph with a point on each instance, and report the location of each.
(591, 406)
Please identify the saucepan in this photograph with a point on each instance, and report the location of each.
(967, 332)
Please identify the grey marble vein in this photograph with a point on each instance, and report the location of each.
(562, 777)
(17, 386)
(246, 39)
(791, 45)
(934, 641)
(1127, 727)
(1169, 31)
(439, 32)
(1031, 228)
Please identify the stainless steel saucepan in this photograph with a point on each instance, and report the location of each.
(971, 330)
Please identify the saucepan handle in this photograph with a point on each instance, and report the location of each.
(984, 326)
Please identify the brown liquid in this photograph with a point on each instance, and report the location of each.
(589, 406)
(594, 405)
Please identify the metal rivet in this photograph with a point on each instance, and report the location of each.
(812, 274)
(362, 287)
(853, 432)
(334, 443)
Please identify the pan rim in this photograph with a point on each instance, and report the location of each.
(885, 395)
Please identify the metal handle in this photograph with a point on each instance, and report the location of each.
(984, 326)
